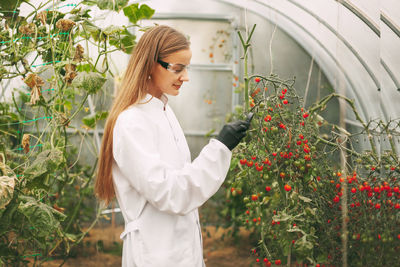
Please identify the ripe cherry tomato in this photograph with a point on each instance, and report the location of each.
(268, 118)
(287, 187)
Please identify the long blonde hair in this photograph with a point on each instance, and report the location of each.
(156, 43)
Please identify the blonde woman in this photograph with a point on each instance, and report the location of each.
(145, 161)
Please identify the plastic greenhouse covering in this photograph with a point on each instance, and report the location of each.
(349, 45)
(345, 47)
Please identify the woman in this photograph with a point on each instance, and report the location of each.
(145, 160)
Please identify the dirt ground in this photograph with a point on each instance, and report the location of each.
(103, 246)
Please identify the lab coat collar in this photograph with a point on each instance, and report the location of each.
(158, 102)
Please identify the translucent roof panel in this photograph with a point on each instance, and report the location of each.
(353, 42)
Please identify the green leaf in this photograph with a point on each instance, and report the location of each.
(53, 16)
(46, 162)
(282, 217)
(91, 82)
(43, 219)
(91, 120)
(89, 2)
(136, 13)
(68, 105)
(90, 29)
(112, 29)
(84, 67)
(304, 245)
(128, 43)
(10, 5)
(305, 199)
(116, 5)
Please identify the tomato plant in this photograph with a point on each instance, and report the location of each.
(300, 203)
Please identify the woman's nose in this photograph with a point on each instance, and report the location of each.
(184, 77)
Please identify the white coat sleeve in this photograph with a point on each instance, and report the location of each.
(176, 191)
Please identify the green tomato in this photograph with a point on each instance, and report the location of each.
(387, 167)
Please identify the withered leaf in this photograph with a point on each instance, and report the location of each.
(62, 119)
(33, 80)
(27, 29)
(70, 73)
(65, 24)
(25, 142)
(57, 208)
(78, 53)
(42, 16)
(35, 95)
(35, 83)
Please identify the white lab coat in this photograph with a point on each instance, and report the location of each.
(159, 189)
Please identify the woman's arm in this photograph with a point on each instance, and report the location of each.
(177, 191)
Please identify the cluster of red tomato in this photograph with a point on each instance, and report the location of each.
(266, 261)
(284, 177)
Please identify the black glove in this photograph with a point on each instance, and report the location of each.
(233, 132)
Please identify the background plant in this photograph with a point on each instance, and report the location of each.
(289, 186)
(46, 203)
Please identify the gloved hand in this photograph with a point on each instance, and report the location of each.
(233, 132)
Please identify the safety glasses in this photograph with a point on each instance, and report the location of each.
(174, 68)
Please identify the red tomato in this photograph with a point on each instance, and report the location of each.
(267, 118)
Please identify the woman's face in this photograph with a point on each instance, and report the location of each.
(169, 81)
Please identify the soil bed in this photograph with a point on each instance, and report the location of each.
(102, 247)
